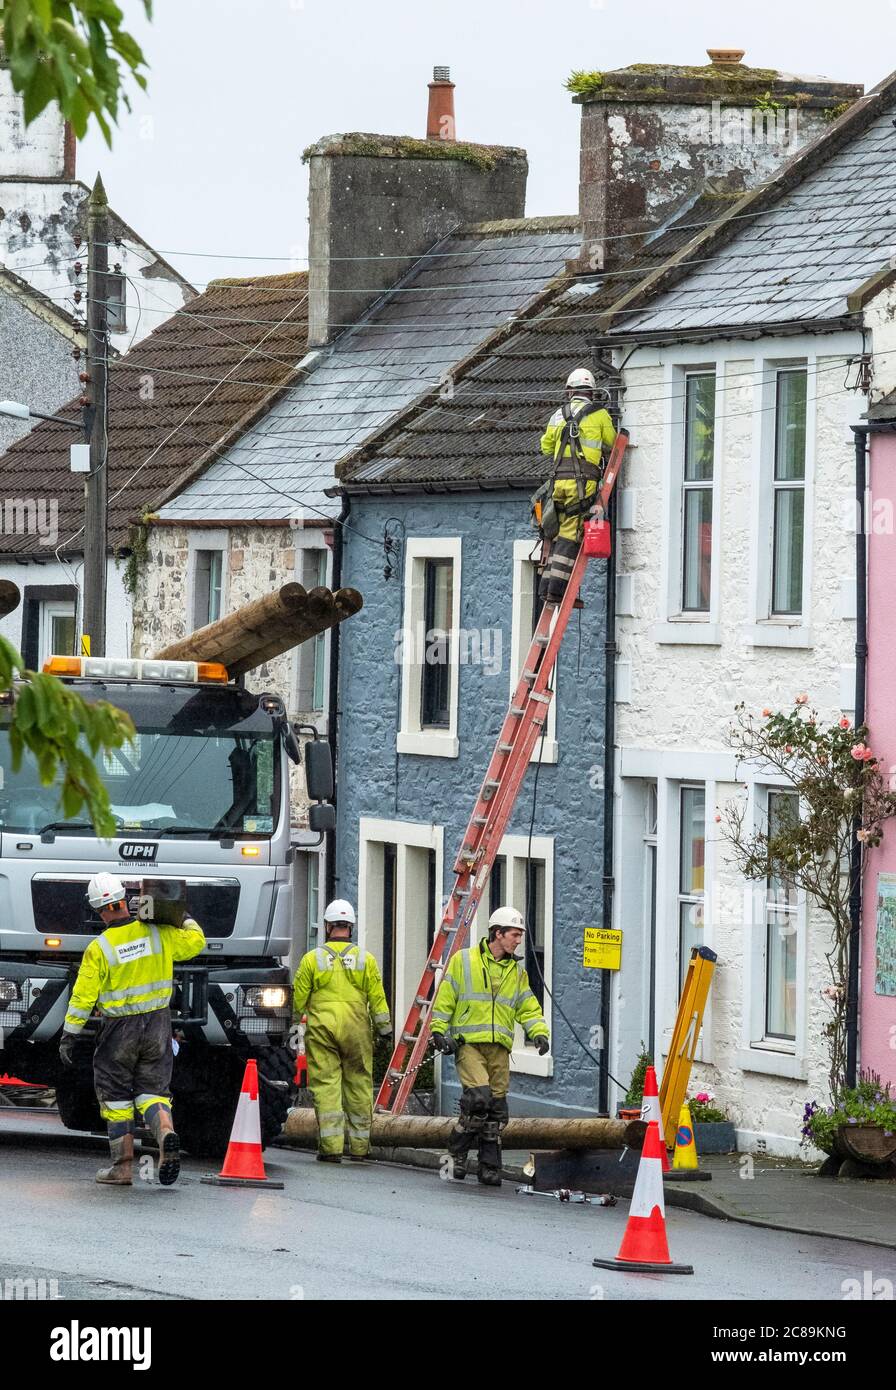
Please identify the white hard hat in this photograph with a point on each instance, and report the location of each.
(506, 919)
(105, 889)
(582, 378)
(339, 911)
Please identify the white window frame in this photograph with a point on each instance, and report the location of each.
(48, 610)
(405, 835)
(675, 625)
(758, 1053)
(410, 643)
(515, 849)
(524, 579)
(217, 540)
(764, 628)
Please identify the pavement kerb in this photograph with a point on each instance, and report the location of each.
(686, 1198)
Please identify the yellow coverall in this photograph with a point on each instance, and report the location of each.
(338, 987)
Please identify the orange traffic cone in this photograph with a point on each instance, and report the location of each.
(644, 1247)
(243, 1163)
(650, 1110)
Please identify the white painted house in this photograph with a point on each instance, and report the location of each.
(741, 379)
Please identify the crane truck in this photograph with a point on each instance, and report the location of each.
(201, 794)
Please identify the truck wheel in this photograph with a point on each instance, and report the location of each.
(204, 1130)
(78, 1108)
(275, 1064)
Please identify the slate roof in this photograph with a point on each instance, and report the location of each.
(796, 249)
(453, 298)
(195, 382)
(485, 435)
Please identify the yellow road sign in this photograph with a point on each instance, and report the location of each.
(603, 948)
(85, 644)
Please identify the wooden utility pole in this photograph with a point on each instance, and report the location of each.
(96, 419)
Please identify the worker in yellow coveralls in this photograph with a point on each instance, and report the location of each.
(339, 988)
(575, 438)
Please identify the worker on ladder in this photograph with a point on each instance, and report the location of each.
(339, 987)
(484, 993)
(575, 437)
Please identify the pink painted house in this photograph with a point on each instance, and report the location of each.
(877, 999)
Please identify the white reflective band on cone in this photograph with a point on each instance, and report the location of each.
(648, 1193)
(246, 1121)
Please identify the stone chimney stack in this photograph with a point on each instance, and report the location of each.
(377, 202)
(43, 150)
(654, 135)
(440, 116)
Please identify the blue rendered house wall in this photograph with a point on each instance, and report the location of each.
(376, 781)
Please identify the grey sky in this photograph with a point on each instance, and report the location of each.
(210, 159)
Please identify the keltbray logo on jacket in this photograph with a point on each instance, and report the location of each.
(132, 950)
(481, 999)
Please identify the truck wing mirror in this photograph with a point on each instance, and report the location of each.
(322, 817)
(318, 770)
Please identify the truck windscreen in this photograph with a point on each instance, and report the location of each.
(203, 760)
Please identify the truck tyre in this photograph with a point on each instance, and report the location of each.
(274, 1064)
(78, 1107)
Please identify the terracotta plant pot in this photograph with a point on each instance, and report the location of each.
(865, 1144)
(629, 1112)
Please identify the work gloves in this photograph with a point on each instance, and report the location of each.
(543, 1046)
(386, 1036)
(443, 1044)
(66, 1049)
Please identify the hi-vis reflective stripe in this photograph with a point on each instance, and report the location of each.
(150, 987)
(482, 1028)
(144, 1006)
(78, 1013)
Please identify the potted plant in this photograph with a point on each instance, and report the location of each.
(713, 1131)
(859, 1130)
(631, 1106)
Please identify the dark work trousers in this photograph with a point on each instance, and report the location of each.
(132, 1064)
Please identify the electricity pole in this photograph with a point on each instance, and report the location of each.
(96, 487)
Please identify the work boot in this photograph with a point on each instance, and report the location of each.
(169, 1145)
(329, 1158)
(120, 1174)
(459, 1167)
(362, 1158)
(489, 1177)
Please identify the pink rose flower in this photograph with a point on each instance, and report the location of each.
(857, 752)
(788, 748)
(844, 722)
(867, 756)
(801, 700)
(766, 713)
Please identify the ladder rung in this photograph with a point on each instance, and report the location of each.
(480, 820)
(529, 675)
(408, 1037)
(446, 926)
(395, 1072)
(541, 699)
(517, 710)
(505, 747)
(542, 639)
(489, 788)
(421, 1001)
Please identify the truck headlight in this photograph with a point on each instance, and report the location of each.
(9, 991)
(267, 997)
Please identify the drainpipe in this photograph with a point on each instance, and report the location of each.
(855, 896)
(610, 651)
(330, 875)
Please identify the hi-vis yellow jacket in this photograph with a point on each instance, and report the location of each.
(129, 970)
(595, 429)
(480, 999)
(339, 984)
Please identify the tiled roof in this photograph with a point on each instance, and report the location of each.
(794, 250)
(486, 433)
(191, 385)
(412, 339)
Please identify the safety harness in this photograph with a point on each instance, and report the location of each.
(547, 512)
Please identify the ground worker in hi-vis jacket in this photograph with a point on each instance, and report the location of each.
(575, 438)
(127, 972)
(339, 989)
(484, 993)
